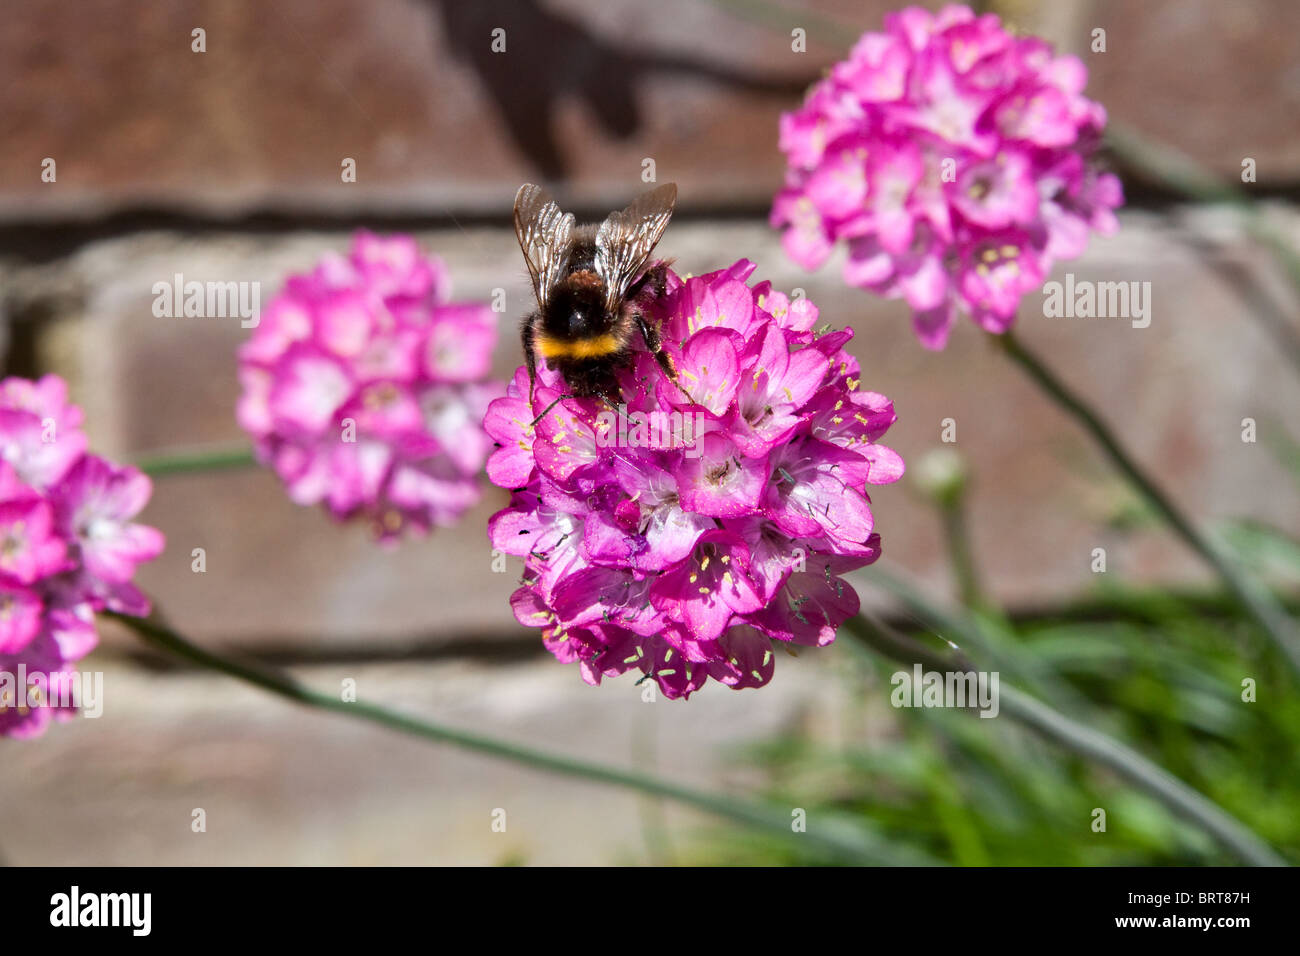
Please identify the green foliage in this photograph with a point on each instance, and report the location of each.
(1163, 677)
(1165, 672)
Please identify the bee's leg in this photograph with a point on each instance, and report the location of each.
(653, 341)
(654, 279)
(603, 396)
(530, 357)
(547, 409)
(655, 282)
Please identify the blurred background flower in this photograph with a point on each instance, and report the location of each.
(68, 548)
(954, 159)
(364, 388)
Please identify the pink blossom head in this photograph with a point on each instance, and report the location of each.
(689, 537)
(954, 160)
(69, 546)
(364, 388)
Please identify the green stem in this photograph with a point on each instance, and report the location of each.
(957, 535)
(1253, 597)
(198, 459)
(834, 837)
(1083, 740)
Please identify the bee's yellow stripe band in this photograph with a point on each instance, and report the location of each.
(595, 347)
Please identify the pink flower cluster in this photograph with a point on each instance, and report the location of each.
(363, 387)
(68, 548)
(954, 160)
(693, 557)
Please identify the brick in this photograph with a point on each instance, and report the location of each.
(1217, 80)
(437, 123)
(440, 126)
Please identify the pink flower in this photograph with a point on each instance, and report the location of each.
(69, 547)
(687, 537)
(40, 433)
(95, 507)
(954, 161)
(363, 387)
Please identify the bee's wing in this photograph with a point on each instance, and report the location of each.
(544, 235)
(626, 239)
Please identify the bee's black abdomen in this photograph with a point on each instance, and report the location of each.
(591, 378)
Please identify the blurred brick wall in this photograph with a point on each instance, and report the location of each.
(226, 165)
(441, 125)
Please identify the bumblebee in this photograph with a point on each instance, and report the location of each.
(592, 290)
